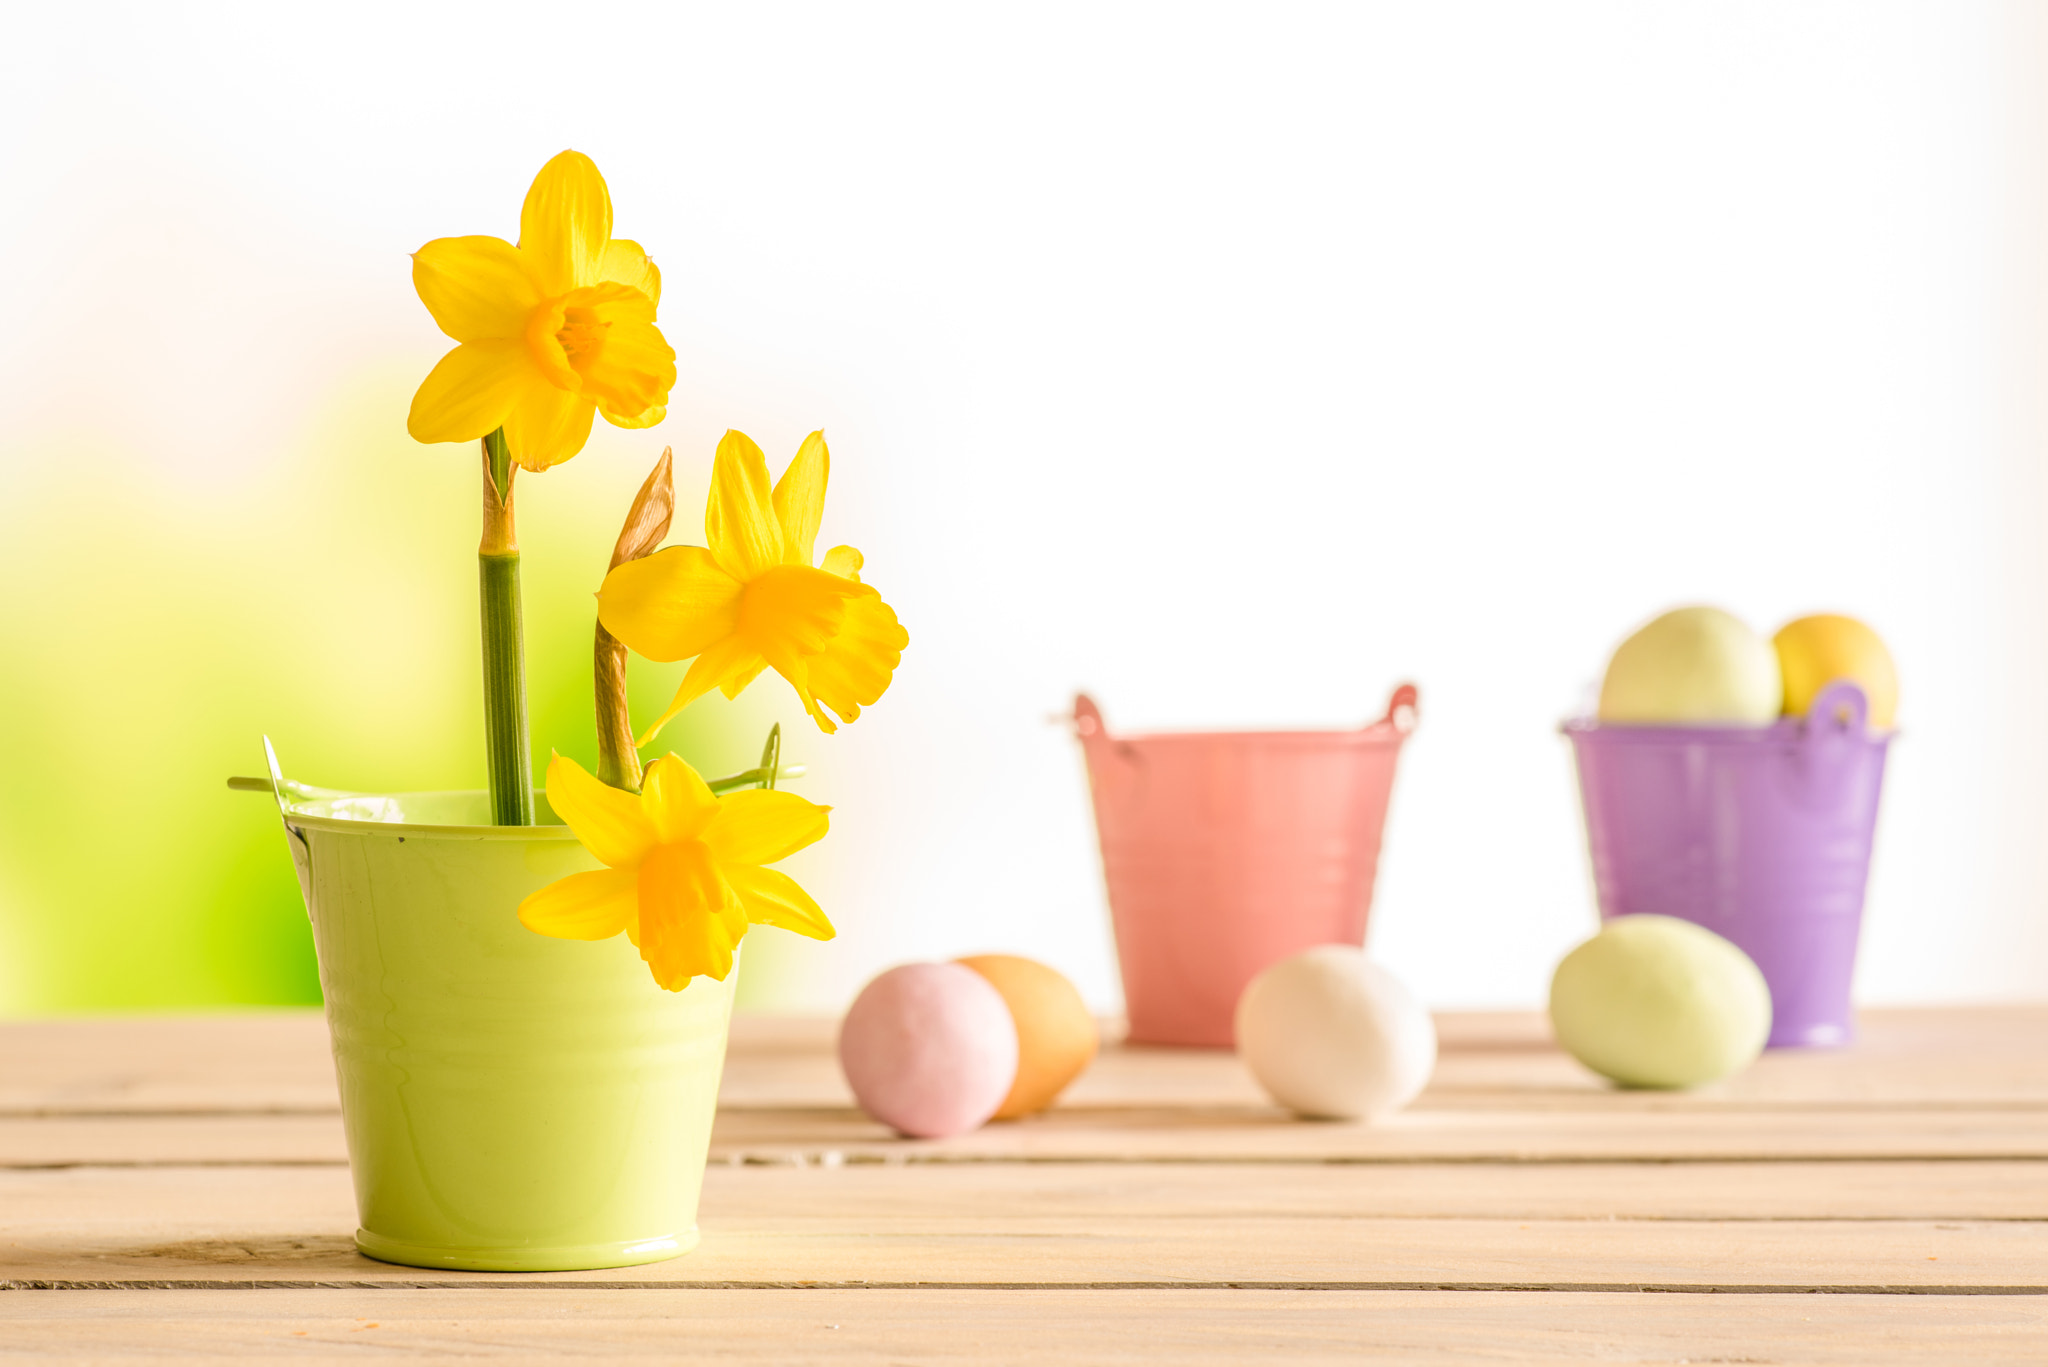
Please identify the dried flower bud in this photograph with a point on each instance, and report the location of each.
(618, 759)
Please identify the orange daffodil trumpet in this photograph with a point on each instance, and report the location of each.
(683, 876)
(752, 599)
(552, 331)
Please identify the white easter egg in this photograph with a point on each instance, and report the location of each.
(1332, 1035)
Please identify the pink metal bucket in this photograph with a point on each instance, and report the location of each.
(1226, 852)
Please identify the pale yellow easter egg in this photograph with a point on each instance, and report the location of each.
(1815, 651)
(1056, 1035)
(1690, 666)
(1653, 1001)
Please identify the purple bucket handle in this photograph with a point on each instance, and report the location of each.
(1841, 703)
(1831, 739)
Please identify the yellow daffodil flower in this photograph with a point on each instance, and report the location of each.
(552, 331)
(683, 876)
(753, 600)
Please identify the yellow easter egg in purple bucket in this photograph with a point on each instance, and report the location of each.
(1815, 651)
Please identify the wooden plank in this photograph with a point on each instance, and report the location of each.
(1859, 1257)
(1122, 1226)
(196, 1202)
(1841, 1257)
(1194, 1327)
(278, 1062)
(249, 1061)
(746, 1197)
(177, 1138)
(1153, 1135)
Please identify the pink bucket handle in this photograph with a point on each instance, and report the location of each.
(1110, 762)
(1094, 733)
(1403, 711)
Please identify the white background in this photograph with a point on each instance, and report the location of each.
(1233, 363)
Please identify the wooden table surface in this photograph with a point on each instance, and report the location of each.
(178, 1186)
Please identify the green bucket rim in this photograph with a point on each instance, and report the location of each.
(318, 814)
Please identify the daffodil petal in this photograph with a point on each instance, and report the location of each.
(800, 499)
(760, 826)
(547, 425)
(772, 898)
(624, 262)
(584, 906)
(670, 605)
(476, 287)
(854, 669)
(739, 519)
(796, 669)
(736, 678)
(611, 822)
(719, 662)
(646, 417)
(677, 801)
(843, 561)
(683, 930)
(613, 303)
(566, 223)
(469, 393)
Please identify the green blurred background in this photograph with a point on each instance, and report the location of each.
(328, 600)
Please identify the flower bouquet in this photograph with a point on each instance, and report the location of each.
(517, 1093)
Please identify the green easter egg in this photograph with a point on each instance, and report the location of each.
(1653, 1001)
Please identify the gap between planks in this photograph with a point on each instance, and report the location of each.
(1063, 1327)
(485, 1282)
(835, 1161)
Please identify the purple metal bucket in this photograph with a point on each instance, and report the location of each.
(1761, 834)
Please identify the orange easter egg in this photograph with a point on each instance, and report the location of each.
(1056, 1036)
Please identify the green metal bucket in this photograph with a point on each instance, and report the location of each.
(513, 1103)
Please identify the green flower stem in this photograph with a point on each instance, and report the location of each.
(505, 730)
(771, 770)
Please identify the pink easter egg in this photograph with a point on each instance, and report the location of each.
(930, 1050)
